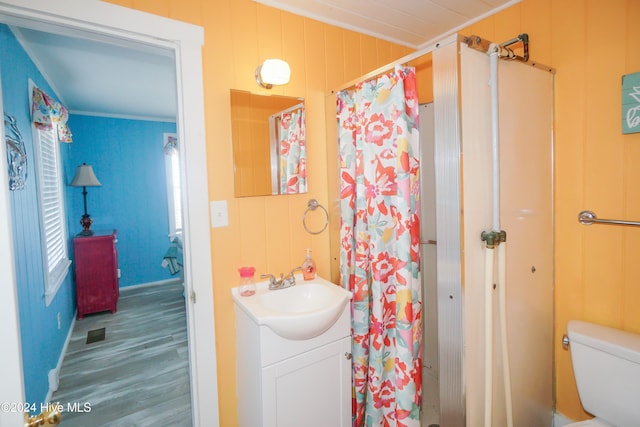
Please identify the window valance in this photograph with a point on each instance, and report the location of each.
(45, 111)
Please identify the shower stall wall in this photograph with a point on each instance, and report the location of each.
(464, 209)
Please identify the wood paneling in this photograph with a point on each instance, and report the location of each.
(251, 136)
(334, 52)
(293, 51)
(157, 7)
(424, 75)
(570, 102)
(187, 12)
(368, 52)
(352, 63)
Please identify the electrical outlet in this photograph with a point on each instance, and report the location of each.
(59, 322)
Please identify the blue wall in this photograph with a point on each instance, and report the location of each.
(128, 160)
(42, 340)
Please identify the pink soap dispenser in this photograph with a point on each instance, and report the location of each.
(308, 267)
(247, 282)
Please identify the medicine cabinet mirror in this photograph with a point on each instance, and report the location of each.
(269, 144)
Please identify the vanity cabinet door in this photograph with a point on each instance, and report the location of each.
(312, 389)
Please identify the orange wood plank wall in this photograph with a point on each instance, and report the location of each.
(250, 129)
(252, 140)
(265, 232)
(590, 43)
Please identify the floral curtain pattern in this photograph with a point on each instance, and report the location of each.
(292, 152)
(380, 246)
(45, 111)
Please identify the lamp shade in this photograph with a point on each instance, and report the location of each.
(85, 177)
(273, 72)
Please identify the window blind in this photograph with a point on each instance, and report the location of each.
(51, 200)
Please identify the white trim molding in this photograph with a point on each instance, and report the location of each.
(54, 374)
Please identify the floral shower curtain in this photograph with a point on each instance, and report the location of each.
(292, 152)
(380, 246)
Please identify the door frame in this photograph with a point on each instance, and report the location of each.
(102, 21)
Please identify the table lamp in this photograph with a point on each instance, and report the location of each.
(85, 178)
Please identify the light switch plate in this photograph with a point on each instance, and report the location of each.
(219, 213)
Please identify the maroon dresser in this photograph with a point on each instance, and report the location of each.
(96, 261)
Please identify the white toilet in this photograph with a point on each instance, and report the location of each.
(606, 363)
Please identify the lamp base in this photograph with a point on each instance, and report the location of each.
(86, 222)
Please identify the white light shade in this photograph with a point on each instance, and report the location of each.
(85, 177)
(273, 72)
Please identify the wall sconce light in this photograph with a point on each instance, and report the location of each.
(273, 72)
(85, 178)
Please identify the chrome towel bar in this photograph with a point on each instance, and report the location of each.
(588, 218)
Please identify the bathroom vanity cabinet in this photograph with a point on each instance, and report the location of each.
(293, 383)
(96, 267)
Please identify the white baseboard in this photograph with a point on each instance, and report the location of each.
(157, 283)
(54, 374)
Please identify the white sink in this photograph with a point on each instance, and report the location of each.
(299, 312)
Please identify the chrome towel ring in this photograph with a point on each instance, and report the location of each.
(312, 206)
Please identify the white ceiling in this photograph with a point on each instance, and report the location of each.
(92, 75)
(413, 23)
(106, 78)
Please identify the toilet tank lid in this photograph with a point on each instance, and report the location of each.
(613, 341)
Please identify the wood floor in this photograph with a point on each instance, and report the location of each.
(139, 375)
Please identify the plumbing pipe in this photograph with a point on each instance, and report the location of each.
(488, 333)
(502, 297)
(495, 135)
(489, 254)
(495, 52)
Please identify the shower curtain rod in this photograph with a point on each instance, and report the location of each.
(415, 55)
(474, 42)
(288, 110)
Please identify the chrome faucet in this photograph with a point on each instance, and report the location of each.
(283, 282)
